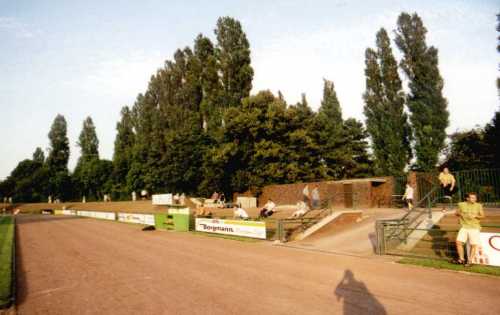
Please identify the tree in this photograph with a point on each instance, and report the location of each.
(94, 178)
(122, 156)
(59, 145)
(359, 164)
(27, 182)
(86, 174)
(210, 106)
(386, 121)
(468, 150)
(88, 142)
(329, 133)
(233, 56)
(39, 156)
(498, 49)
(263, 142)
(428, 107)
(60, 185)
(491, 136)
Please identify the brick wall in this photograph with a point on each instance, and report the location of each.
(367, 192)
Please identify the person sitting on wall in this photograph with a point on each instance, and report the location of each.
(302, 209)
(222, 200)
(268, 209)
(201, 211)
(215, 196)
(240, 213)
(447, 182)
(177, 199)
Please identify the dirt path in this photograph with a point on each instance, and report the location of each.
(84, 266)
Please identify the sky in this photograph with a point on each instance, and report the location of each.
(91, 58)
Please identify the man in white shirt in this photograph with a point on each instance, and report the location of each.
(302, 208)
(240, 213)
(315, 197)
(408, 196)
(268, 209)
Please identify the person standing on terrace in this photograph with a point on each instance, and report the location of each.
(469, 213)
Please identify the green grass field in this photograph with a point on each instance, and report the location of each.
(443, 264)
(6, 243)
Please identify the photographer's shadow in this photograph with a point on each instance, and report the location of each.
(356, 297)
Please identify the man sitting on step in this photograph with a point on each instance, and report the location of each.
(302, 209)
(268, 209)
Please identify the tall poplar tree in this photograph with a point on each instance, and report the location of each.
(210, 107)
(233, 56)
(88, 142)
(427, 105)
(386, 121)
(329, 133)
(124, 143)
(57, 161)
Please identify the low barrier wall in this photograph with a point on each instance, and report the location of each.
(158, 220)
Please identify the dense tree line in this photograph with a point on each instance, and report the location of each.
(197, 129)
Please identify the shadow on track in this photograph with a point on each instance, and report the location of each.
(356, 297)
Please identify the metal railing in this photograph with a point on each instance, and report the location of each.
(434, 242)
(411, 219)
(285, 228)
(484, 182)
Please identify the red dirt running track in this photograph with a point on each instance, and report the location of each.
(84, 266)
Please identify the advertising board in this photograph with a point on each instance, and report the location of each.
(488, 252)
(138, 218)
(163, 199)
(97, 215)
(254, 229)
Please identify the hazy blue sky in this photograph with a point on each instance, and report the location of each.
(81, 58)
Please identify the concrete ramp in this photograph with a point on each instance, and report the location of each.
(329, 222)
(354, 239)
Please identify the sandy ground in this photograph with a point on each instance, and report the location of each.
(84, 266)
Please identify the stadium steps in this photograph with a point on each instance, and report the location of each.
(439, 242)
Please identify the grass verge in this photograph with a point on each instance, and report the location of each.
(443, 264)
(6, 244)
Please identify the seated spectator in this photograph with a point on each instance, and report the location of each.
(302, 209)
(215, 196)
(202, 211)
(268, 210)
(222, 200)
(240, 213)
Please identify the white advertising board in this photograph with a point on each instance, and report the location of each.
(163, 199)
(254, 229)
(68, 212)
(489, 249)
(247, 202)
(146, 219)
(97, 215)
